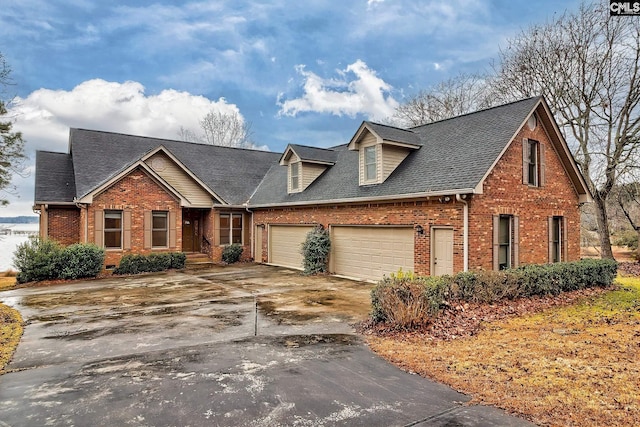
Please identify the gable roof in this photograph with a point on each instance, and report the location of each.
(55, 181)
(310, 154)
(456, 155)
(96, 157)
(389, 133)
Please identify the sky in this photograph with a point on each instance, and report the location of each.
(304, 72)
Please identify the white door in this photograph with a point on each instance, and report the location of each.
(442, 253)
(371, 252)
(285, 242)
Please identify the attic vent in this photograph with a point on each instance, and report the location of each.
(532, 122)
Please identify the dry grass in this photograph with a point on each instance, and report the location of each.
(7, 282)
(10, 333)
(571, 366)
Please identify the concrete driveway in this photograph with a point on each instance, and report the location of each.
(245, 345)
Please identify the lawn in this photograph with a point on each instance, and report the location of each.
(577, 365)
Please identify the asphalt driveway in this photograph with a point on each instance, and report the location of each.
(245, 345)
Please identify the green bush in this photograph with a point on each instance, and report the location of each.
(132, 264)
(406, 301)
(79, 260)
(232, 253)
(36, 260)
(315, 251)
(138, 263)
(178, 260)
(46, 259)
(159, 261)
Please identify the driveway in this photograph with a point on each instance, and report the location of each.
(245, 345)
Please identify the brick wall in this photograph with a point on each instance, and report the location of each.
(137, 192)
(504, 193)
(427, 213)
(63, 225)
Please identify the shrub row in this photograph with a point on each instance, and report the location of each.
(134, 264)
(39, 259)
(408, 301)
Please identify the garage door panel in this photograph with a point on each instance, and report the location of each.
(285, 243)
(371, 252)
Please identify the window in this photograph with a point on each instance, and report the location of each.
(295, 175)
(370, 167)
(160, 229)
(113, 229)
(533, 162)
(230, 228)
(504, 242)
(556, 239)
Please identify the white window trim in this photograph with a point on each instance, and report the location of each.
(297, 176)
(365, 177)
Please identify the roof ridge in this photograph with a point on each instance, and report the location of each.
(171, 140)
(479, 111)
(389, 126)
(311, 146)
(52, 152)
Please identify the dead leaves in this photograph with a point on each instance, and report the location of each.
(570, 360)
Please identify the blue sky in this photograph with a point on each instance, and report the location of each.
(305, 72)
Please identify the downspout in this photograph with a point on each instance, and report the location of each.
(465, 239)
(84, 206)
(251, 231)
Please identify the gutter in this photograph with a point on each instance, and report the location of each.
(465, 214)
(368, 199)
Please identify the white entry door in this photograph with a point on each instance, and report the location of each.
(442, 251)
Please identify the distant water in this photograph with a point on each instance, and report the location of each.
(19, 233)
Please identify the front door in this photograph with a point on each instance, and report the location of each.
(442, 253)
(190, 230)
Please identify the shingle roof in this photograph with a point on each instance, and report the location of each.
(54, 177)
(390, 133)
(314, 154)
(96, 157)
(455, 155)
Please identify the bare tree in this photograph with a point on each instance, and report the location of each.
(218, 128)
(11, 143)
(587, 64)
(455, 96)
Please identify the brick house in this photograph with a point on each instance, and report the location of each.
(492, 189)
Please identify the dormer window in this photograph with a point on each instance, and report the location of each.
(370, 163)
(295, 176)
(381, 150)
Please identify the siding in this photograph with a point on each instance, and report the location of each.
(391, 159)
(310, 172)
(180, 180)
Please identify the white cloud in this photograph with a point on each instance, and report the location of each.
(45, 116)
(357, 90)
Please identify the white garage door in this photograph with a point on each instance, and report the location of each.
(371, 252)
(284, 244)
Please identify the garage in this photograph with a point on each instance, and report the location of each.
(284, 244)
(371, 252)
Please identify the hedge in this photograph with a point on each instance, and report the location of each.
(137, 263)
(407, 300)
